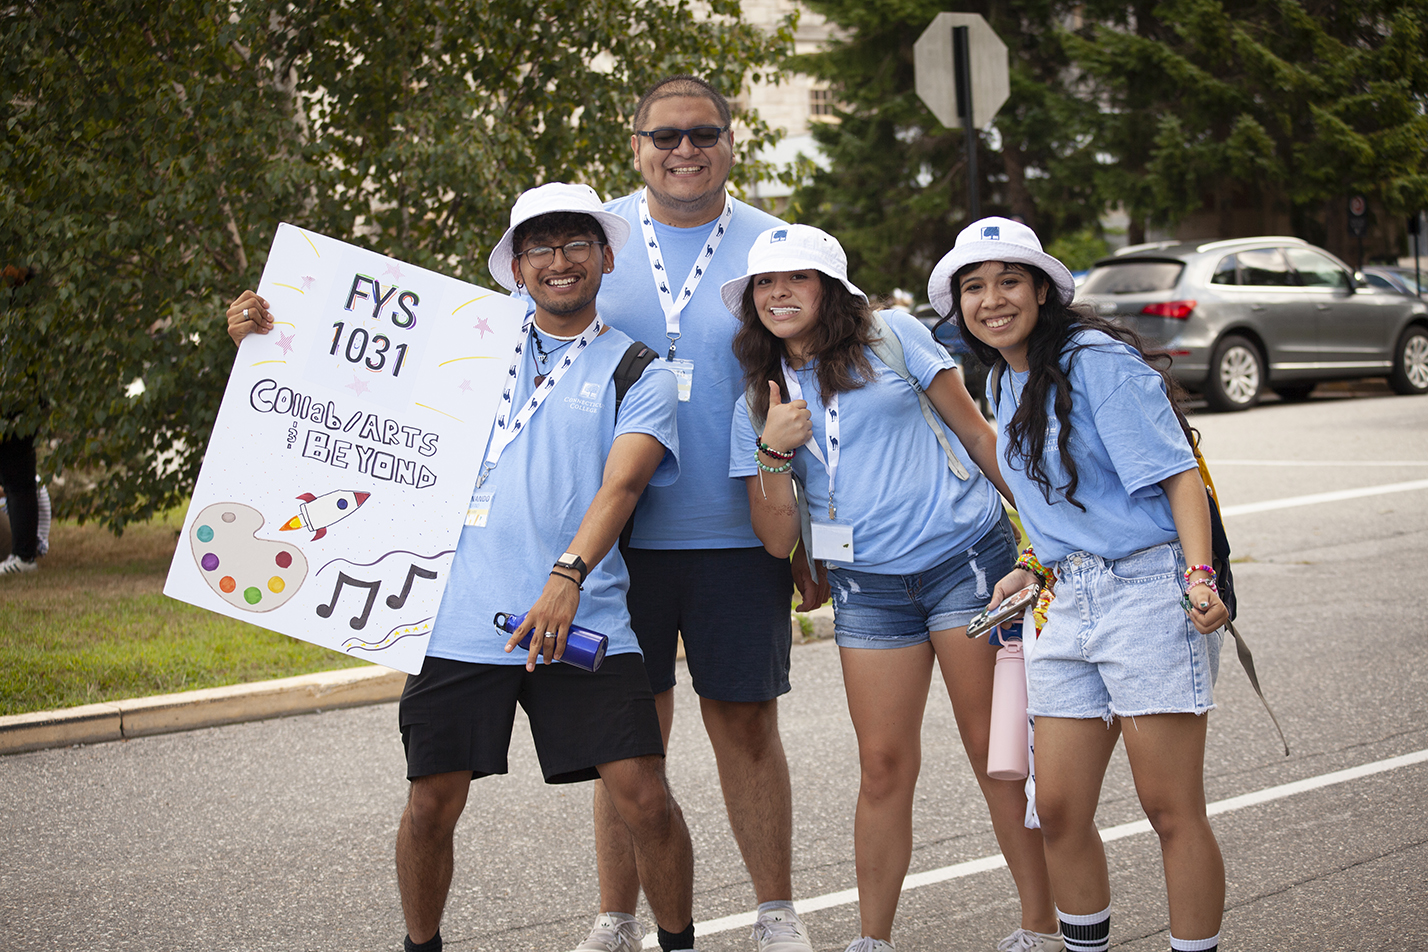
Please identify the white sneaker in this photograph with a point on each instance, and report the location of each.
(613, 935)
(1024, 940)
(779, 930)
(868, 944)
(14, 565)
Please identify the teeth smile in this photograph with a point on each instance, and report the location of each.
(783, 310)
(685, 170)
(561, 282)
(997, 322)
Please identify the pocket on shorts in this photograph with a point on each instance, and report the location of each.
(1147, 565)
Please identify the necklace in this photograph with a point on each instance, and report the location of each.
(540, 358)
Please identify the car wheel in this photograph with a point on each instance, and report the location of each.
(1236, 375)
(1294, 392)
(1410, 363)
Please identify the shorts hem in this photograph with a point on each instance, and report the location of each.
(1197, 710)
(873, 643)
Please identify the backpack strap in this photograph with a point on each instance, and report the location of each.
(888, 348)
(636, 358)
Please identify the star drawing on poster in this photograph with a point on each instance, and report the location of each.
(465, 386)
(285, 342)
(307, 282)
(357, 386)
(484, 327)
(395, 270)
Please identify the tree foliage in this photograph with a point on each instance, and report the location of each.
(151, 149)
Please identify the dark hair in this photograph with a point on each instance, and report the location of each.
(556, 225)
(672, 87)
(1049, 344)
(844, 328)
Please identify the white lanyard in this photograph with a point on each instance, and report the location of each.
(504, 433)
(673, 308)
(830, 426)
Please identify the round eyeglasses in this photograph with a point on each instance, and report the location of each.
(576, 252)
(701, 137)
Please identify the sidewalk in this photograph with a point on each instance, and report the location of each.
(210, 707)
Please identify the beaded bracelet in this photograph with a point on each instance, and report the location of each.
(776, 454)
(1199, 568)
(772, 470)
(1030, 562)
(1207, 582)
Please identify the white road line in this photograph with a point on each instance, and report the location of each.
(1317, 498)
(1320, 462)
(844, 897)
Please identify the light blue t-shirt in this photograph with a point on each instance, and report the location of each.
(909, 512)
(1125, 440)
(703, 509)
(542, 486)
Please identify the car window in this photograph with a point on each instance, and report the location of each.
(1316, 271)
(1132, 277)
(1379, 281)
(1265, 267)
(1226, 272)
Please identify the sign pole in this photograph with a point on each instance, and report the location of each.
(962, 67)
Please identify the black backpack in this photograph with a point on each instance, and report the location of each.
(627, 371)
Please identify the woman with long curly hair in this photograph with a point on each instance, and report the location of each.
(912, 531)
(1108, 489)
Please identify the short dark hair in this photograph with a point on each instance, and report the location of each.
(556, 225)
(672, 87)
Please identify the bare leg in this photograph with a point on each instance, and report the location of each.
(425, 849)
(967, 668)
(1167, 758)
(664, 858)
(753, 773)
(614, 853)
(887, 694)
(1071, 759)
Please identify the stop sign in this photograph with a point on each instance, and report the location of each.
(932, 63)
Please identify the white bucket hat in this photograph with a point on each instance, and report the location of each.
(994, 239)
(790, 248)
(555, 197)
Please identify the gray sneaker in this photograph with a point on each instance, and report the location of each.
(14, 565)
(779, 930)
(1024, 940)
(613, 935)
(868, 944)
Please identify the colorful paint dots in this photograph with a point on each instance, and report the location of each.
(227, 584)
(204, 533)
(229, 517)
(209, 562)
(275, 585)
(252, 596)
(284, 559)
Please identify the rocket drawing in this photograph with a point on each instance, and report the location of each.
(318, 512)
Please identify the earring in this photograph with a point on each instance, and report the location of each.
(520, 285)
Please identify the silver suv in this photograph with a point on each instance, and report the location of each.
(1243, 314)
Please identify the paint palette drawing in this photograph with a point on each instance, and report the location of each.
(253, 574)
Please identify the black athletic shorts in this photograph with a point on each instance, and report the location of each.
(732, 607)
(457, 715)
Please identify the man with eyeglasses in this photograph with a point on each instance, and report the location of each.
(561, 474)
(696, 568)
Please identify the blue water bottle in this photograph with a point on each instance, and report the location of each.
(583, 648)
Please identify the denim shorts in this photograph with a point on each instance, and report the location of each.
(896, 611)
(1118, 644)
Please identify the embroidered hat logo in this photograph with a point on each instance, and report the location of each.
(992, 233)
(780, 234)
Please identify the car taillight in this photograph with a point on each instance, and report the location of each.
(1176, 309)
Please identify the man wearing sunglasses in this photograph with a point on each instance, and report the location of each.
(696, 568)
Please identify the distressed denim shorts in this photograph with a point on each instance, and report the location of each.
(896, 611)
(1118, 644)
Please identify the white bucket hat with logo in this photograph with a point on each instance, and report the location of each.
(994, 239)
(790, 248)
(548, 198)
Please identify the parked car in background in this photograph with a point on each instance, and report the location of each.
(1249, 314)
(1395, 279)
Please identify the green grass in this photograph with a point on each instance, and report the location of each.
(93, 625)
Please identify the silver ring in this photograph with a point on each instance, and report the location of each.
(550, 634)
(245, 313)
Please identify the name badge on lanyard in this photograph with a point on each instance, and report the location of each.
(832, 541)
(674, 305)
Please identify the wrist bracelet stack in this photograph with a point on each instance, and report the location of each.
(1030, 562)
(1208, 582)
(761, 447)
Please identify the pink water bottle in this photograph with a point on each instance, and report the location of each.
(1006, 748)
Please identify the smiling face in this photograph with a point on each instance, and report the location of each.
(789, 305)
(686, 184)
(564, 290)
(1000, 303)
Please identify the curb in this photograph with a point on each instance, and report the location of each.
(207, 707)
(210, 707)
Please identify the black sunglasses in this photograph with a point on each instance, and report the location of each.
(701, 137)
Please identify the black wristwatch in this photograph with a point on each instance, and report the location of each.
(574, 562)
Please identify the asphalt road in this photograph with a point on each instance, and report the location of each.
(278, 834)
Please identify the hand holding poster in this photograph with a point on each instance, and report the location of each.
(336, 481)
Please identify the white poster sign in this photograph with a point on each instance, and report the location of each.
(337, 479)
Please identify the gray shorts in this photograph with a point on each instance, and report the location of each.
(732, 607)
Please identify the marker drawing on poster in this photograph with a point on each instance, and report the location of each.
(345, 451)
